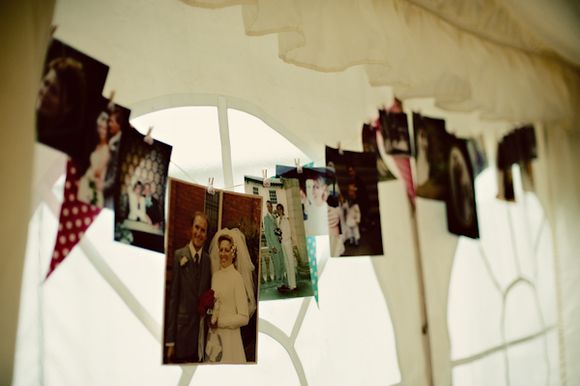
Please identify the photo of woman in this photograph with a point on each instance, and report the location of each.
(233, 286)
(92, 183)
(461, 207)
(68, 100)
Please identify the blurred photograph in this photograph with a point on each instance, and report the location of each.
(140, 191)
(68, 100)
(317, 188)
(460, 204)
(395, 130)
(432, 144)
(99, 172)
(370, 137)
(285, 268)
(354, 221)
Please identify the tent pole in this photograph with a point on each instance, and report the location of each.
(422, 295)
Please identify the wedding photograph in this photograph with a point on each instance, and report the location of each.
(211, 279)
(460, 206)
(67, 103)
(354, 223)
(140, 191)
(432, 144)
(285, 268)
(97, 176)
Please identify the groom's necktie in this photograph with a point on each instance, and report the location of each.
(196, 258)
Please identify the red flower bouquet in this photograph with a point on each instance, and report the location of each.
(206, 302)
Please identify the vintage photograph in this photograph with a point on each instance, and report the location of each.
(68, 99)
(140, 191)
(395, 130)
(286, 272)
(354, 223)
(460, 205)
(370, 136)
(317, 187)
(432, 156)
(477, 154)
(211, 280)
(98, 172)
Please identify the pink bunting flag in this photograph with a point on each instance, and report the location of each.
(404, 166)
(75, 218)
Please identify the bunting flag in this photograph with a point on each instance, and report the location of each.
(74, 220)
(404, 166)
(311, 248)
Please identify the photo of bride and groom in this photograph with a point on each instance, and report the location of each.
(211, 276)
(285, 268)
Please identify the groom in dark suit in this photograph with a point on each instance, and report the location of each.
(191, 277)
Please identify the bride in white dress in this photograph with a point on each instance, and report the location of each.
(234, 293)
(91, 184)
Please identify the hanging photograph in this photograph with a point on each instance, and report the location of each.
(354, 223)
(284, 259)
(477, 154)
(68, 100)
(140, 191)
(370, 136)
(526, 139)
(395, 131)
(211, 281)
(506, 158)
(432, 155)
(460, 205)
(318, 190)
(98, 171)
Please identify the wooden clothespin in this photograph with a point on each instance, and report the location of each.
(266, 181)
(111, 104)
(148, 138)
(210, 188)
(339, 148)
(298, 166)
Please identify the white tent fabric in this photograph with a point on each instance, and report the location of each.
(497, 66)
(460, 53)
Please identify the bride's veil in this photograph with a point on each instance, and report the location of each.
(243, 262)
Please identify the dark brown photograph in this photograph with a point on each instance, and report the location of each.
(68, 101)
(354, 222)
(460, 205)
(431, 156)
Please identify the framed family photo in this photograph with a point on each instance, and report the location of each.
(211, 280)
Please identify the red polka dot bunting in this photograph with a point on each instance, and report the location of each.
(75, 218)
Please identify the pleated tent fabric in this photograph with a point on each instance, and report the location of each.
(460, 53)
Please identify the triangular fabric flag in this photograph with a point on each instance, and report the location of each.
(404, 166)
(311, 248)
(75, 218)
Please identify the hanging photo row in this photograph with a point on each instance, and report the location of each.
(226, 251)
